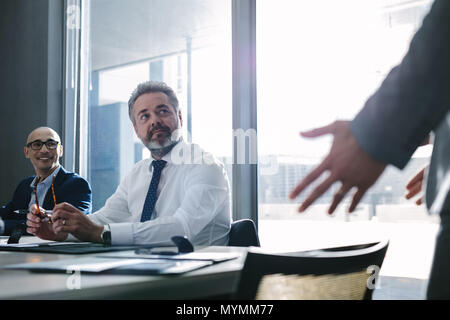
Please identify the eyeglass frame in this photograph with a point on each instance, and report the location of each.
(43, 143)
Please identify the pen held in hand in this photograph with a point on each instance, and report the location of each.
(23, 211)
(48, 213)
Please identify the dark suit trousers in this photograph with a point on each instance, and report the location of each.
(439, 283)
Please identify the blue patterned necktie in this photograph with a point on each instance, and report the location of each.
(150, 200)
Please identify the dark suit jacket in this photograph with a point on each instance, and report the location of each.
(69, 187)
(412, 101)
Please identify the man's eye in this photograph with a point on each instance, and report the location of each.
(144, 117)
(37, 144)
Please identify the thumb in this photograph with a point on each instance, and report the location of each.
(33, 210)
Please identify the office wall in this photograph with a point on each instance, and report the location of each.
(31, 43)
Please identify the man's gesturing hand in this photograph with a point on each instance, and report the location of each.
(346, 162)
(68, 219)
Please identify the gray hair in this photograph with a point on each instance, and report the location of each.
(148, 87)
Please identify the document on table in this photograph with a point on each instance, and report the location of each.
(113, 266)
(3, 243)
(214, 257)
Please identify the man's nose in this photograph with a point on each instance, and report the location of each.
(155, 120)
(46, 148)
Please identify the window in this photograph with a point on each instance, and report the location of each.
(319, 62)
(316, 62)
(186, 44)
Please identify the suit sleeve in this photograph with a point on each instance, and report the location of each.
(19, 201)
(414, 97)
(79, 195)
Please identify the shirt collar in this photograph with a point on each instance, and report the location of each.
(48, 181)
(168, 156)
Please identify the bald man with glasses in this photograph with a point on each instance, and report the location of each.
(51, 183)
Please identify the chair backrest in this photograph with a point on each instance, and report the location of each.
(335, 273)
(243, 234)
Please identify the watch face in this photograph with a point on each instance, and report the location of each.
(106, 237)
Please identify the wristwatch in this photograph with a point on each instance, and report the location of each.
(106, 234)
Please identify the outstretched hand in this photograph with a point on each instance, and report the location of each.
(346, 162)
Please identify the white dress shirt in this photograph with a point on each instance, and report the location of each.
(194, 200)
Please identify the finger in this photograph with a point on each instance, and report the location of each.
(317, 132)
(416, 189)
(32, 217)
(356, 198)
(33, 208)
(313, 175)
(338, 196)
(60, 214)
(32, 231)
(35, 212)
(65, 206)
(60, 223)
(63, 210)
(417, 178)
(33, 224)
(419, 201)
(317, 192)
(64, 229)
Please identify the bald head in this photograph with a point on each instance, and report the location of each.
(44, 153)
(43, 134)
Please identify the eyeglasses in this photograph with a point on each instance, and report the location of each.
(37, 144)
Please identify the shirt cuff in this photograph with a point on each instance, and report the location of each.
(121, 234)
(2, 226)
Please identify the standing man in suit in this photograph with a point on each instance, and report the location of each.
(51, 181)
(412, 101)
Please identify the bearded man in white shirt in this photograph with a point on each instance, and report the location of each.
(174, 193)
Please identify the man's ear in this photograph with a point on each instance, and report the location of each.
(26, 151)
(61, 150)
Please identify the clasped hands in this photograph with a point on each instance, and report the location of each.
(65, 219)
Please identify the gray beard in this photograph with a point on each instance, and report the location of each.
(162, 151)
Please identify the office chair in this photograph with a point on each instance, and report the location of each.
(345, 273)
(243, 234)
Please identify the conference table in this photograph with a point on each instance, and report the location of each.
(217, 280)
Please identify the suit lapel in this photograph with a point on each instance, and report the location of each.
(59, 179)
(28, 192)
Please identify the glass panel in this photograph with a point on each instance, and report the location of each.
(318, 61)
(186, 44)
